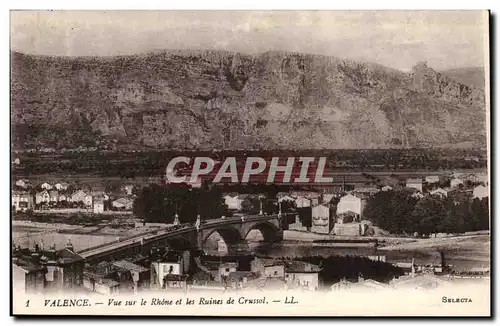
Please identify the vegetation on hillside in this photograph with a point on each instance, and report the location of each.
(223, 100)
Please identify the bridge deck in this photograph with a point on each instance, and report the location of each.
(164, 233)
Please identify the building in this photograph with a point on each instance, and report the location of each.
(456, 182)
(240, 279)
(382, 258)
(368, 285)
(386, 188)
(365, 191)
(286, 198)
(225, 269)
(351, 204)
(78, 196)
(128, 189)
(27, 277)
(104, 278)
(439, 192)
(322, 219)
(233, 202)
(99, 193)
(172, 263)
(297, 225)
(61, 186)
(172, 281)
(432, 179)
(23, 183)
(61, 269)
(21, 201)
(414, 184)
(42, 197)
(343, 284)
(327, 198)
(417, 195)
(54, 196)
(424, 281)
(314, 198)
(482, 178)
(268, 268)
(98, 205)
(123, 204)
(63, 197)
(301, 202)
(480, 192)
(46, 186)
(138, 276)
(88, 200)
(303, 275)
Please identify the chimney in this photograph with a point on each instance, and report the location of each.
(49, 276)
(443, 260)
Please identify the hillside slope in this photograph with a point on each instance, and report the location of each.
(208, 99)
(471, 76)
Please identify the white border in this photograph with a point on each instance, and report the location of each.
(218, 4)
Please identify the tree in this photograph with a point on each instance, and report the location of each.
(390, 210)
(250, 205)
(428, 215)
(160, 203)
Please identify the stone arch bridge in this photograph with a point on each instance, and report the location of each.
(232, 230)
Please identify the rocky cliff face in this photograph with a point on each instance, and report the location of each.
(207, 100)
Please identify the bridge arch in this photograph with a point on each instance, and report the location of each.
(269, 231)
(229, 234)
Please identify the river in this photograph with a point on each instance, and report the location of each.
(462, 254)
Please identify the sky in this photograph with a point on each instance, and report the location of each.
(397, 39)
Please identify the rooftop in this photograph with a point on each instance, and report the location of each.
(126, 265)
(295, 266)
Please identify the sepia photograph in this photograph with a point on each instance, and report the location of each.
(250, 163)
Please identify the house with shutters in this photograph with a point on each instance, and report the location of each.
(22, 200)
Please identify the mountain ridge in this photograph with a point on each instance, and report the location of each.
(224, 100)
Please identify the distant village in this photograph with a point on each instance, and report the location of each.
(69, 198)
(314, 207)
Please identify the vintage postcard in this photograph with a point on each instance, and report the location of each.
(250, 163)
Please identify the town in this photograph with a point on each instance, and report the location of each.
(340, 220)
